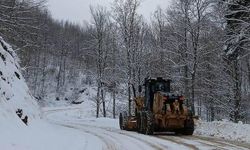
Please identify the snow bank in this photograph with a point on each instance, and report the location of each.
(225, 129)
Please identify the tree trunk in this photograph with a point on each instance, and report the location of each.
(43, 76)
(58, 79)
(36, 73)
(192, 93)
(186, 89)
(129, 100)
(194, 78)
(64, 70)
(237, 91)
(103, 102)
(248, 69)
(59, 72)
(212, 113)
(114, 101)
(98, 101)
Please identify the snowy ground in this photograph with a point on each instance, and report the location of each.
(73, 128)
(105, 134)
(41, 136)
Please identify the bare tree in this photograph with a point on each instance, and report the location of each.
(126, 17)
(101, 28)
(237, 47)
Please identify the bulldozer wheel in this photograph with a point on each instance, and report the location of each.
(121, 121)
(178, 131)
(139, 127)
(189, 127)
(149, 123)
(125, 121)
(143, 122)
(188, 132)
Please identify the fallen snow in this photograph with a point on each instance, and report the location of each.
(40, 136)
(224, 129)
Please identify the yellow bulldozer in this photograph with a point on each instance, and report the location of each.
(158, 110)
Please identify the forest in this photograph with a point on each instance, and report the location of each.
(203, 46)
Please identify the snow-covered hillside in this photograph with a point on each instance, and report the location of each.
(14, 93)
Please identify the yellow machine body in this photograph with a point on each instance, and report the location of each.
(166, 113)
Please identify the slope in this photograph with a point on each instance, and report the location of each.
(14, 93)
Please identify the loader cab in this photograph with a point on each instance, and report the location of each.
(152, 86)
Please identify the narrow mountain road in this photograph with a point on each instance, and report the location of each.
(109, 137)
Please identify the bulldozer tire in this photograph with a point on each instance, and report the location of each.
(125, 121)
(143, 122)
(189, 127)
(179, 131)
(139, 128)
(121, 121)
(188, 132)
(149, 123)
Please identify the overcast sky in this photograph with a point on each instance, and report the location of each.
(78, 10)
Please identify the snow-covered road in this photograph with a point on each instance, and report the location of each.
(104, 134)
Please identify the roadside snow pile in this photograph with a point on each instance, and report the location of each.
(225, 129)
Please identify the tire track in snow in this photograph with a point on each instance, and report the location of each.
(135, 140)
(139, 144)
(108, 144)
(161, 147)
(201, 143)
(197, 142)
(113, 141)
(219, 142)
(168, 138)
(195, 145)
(152, 141)
(191, 142)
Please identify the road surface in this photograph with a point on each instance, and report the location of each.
(107, 136)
